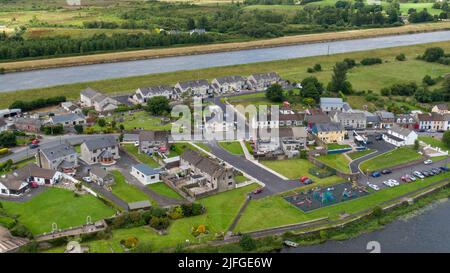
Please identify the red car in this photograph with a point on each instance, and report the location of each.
(303, 178)
(34, 185)
(35, 141)
(257, 191)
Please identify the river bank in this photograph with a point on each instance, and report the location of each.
(215, 48)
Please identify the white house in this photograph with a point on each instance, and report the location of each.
(228, 84)
(198, 88)
(400, 136)
(143, 94)
(145, 174)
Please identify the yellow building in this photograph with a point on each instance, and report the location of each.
(329, 132)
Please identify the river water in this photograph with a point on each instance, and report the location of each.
(67, 75)
(426, 230)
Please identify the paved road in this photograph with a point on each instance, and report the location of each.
(379, 146)
(274, 184)
(108, 195)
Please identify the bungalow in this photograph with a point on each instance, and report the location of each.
(400, 136)
(86, 97)
(11, 185)
(68, 120)
(331, 104)
(153, 141)
(329, 132)
(387, 119)
(61, 157)
(143, 94)
(131, 138)
(262, 80)
(432, 121)
(440, 109)
(100, 176)
(207, 172)
(101, 103)
(198, 88)
(228, 84)
(71, 107)
(103, 150)
(145, 174)
(33, 173)
(350, 120)
(28, 125)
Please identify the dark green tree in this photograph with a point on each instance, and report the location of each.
(339, 79)
(446, 138)
(247, 243)
(158, 105)
(275, 93)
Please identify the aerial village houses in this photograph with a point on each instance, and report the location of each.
(328, 105)
(145, 174)
(71, 107)
(143, 94)
(100, 176)
(28, 125)
(61, 157)
(351, 120)
(153, 141)
(262, 80)
(400, 136)
(329, 132)
(100, 102)
(207, 174)
(198, 88)
(293, 140)
(103, 150)
(33, 173)
(407, 121)
(68, 120)
(387, 119)
(11, 185)
(440, 109)
(228, 84)
(432, 121)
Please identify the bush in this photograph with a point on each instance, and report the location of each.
(317, 67)
(433, 54)
(21, 231)
(36, 104)
(310, 70)
(427, 80)
(371, 61)
(129, 242)
(159, 223)
(247, 242)
(192, 209)
(350, 62)
(400, 57)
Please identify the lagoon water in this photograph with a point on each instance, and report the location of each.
(94, 72)
(427, 231)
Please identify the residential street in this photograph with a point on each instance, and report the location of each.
(379, 146)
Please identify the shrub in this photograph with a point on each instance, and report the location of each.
(371, 61)
(247, 242)
(310, 70)
(317, 67)
(129, 242)
(350, 62)
(400, 57)
(428, 80)
(159, 223)
(21, 231)
(433, 54)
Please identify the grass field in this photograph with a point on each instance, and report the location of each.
(358, 154)
(162, 189)
(362, 77)
(337, 161)
(434, 142)
(257, 215)
(221, 209)
(136, 120)
(336, 146)
(233, 147)
(296, 168)
(57, 206)
(126, 191)
(390, 159)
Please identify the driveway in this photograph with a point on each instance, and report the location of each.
(25, 197)
(380, 146)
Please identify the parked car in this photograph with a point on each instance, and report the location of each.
(87, 179)
(373, 186)
(303, 178)
(307, 181)
(388, 184)
(444, 168)
(33, 146)
(405, 178)
(428, 161)
(386, 171)
(419, 175)
(394, 182)
(375, 174)
(34, 185)
(258, 191)
(426, 173)
(412, 177)
(378, 137)
(436, 170)
(35, 141)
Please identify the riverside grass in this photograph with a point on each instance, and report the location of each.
(362, 78)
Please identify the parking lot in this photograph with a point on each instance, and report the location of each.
(397, 174)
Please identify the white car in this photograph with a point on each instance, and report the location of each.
(87, 179)
(394, 182)
(374, 187)
(419, 175)
(388, 184)
(428, 161)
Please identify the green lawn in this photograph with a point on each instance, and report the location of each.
(249, 147)
(362, 77)
(358, 154)
(296, 168)
(240, 179)
(162, 189)
(233, 147)
(57, 206)
(390, 159)
(179, 148)
(137, 120)
(259, 211)
(133, 150)
(221, 210)
(125, 191)
(336, 146)
(336, 161)
(434, 142)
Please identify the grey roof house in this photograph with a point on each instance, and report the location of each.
(61, 157)
(103, 150)
(331, 104)
(228, 84)
(261, 81)
(68, 120)
(100, 176)
(142, 94)
(199, 88)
